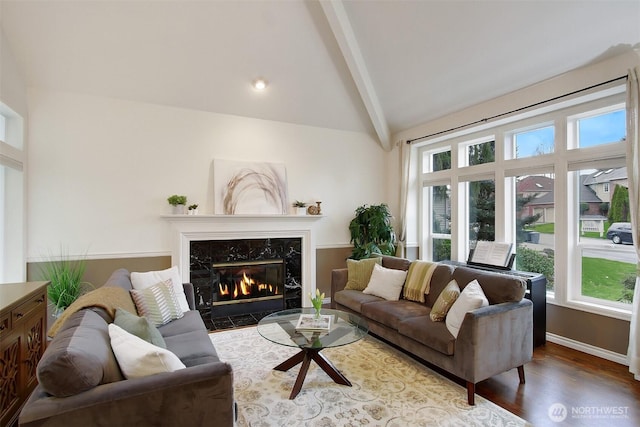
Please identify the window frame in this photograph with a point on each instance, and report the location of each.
(565, 159)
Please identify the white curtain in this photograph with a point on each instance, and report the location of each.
(405, 159)
(633, 173)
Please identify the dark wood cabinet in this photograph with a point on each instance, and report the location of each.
(23, 317)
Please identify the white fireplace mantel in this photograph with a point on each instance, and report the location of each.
(188, 228)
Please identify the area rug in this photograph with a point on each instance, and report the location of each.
(389, 388)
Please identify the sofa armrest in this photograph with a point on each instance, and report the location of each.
(338, 282)
(494, 339)
(190, 396)
(190, 294)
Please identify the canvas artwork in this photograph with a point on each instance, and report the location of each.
(249, 188)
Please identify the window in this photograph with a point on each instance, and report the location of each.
(556, 210)
(534, 222)
(534, 142)
(601, 129)
(12, 245)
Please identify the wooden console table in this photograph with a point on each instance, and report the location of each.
(23, 326)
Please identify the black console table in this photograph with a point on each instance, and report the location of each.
(536, 292)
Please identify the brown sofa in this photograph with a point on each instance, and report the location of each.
(200, 394)
(491, 339)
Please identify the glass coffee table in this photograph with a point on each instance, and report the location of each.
(280, 328)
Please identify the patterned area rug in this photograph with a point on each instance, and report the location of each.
(389, 388)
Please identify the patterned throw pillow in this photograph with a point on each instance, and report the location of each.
(158, 303)
(444, 302)
(139, 326)
(359, 272)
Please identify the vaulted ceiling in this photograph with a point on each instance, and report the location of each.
(367, 66)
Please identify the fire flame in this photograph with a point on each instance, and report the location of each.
(244, 287)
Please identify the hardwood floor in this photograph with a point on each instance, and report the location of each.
(594, 391)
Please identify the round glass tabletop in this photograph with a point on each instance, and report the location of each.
(298, 327)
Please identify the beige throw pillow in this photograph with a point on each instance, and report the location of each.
(444, 302)
(359, 272)
(385, 283)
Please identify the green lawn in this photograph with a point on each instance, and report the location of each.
(602, 278)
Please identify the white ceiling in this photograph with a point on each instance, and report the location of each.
(393, 65)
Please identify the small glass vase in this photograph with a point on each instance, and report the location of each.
(317, 312)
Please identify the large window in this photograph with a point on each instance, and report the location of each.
(552, 183)
(12, 228)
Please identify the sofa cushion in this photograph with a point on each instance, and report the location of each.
(139, 326)
(191, 321)
(193, 348)
(359, 272)
(444, 302)
(470, 299)
(158, 303)
(386, 283)
(395, 263)
(390, 313)
(354, 300)
(120, 278)
(142, 281)
(427, 332)
(79, 357)
(138, 358)
(497, 287)
(439, 279)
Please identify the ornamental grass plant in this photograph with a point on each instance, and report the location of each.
(65, 277)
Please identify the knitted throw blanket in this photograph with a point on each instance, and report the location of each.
(106, 297)
(418, 280)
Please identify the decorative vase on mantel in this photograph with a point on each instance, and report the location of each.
(178, 209)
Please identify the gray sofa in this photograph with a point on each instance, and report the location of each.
(491, 340)
(200, 394)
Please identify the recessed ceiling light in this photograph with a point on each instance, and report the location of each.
(259, 84)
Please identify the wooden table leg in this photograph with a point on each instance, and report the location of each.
(306, 356)
(290, 362)
(329, 368)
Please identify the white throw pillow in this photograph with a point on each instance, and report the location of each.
(139, 358)
(471, 298)
(141, 281)
(386, 283)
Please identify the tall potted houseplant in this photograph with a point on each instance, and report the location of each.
(372, 232)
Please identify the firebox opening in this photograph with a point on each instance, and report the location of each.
(247, 287)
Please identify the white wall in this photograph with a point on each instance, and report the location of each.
(101, 170)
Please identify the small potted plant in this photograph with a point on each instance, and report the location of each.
(300, 207)
(178, 203)
(193, 209)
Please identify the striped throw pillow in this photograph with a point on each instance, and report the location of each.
(158, 303)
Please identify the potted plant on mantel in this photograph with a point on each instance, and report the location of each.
(178, 203)
(372, 232)
(300, 207)
(193, 209)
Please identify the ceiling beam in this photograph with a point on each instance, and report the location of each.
(341, 28)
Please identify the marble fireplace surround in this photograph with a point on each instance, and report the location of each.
(188, 228)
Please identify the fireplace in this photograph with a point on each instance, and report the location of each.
(201, 241)
(245, 276)
(247, 287)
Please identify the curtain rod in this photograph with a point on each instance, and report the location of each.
(409, 141)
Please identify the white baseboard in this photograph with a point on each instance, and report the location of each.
(588, 348)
